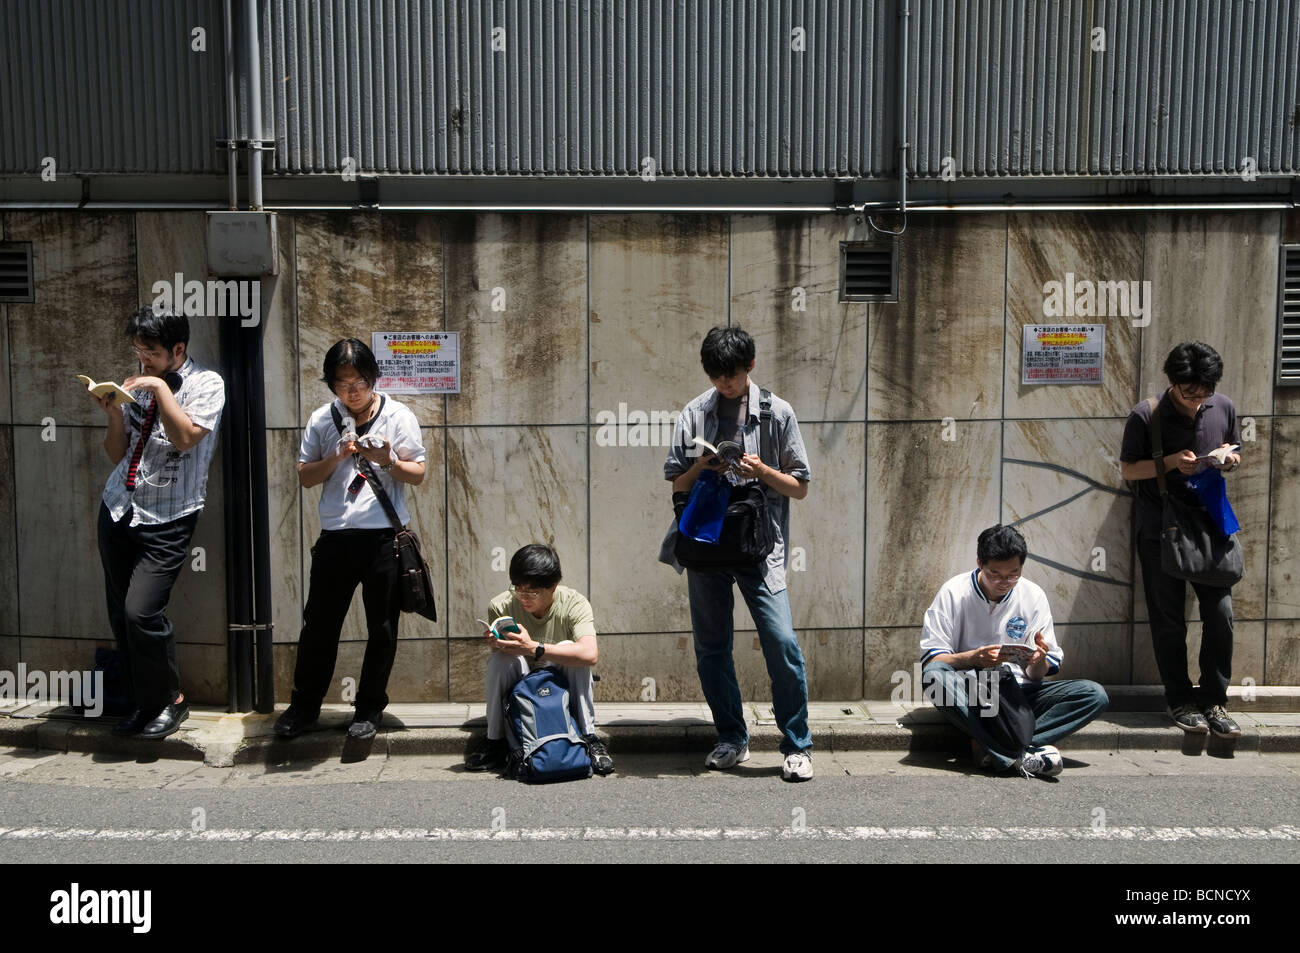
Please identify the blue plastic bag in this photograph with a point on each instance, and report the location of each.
(702, 518)
(1213, 492)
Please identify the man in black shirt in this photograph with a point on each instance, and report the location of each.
(1194, 420)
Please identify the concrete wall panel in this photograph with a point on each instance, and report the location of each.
(938, 352)
(927, 500)
(1096, 248)
(358, 274)
(517, 292)
(1214, 279)
(785, 287)
(84, 268)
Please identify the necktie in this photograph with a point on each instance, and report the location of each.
(149, 416)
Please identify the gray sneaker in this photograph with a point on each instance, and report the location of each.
(1189, 718)
(1220, 723)
(726, 755)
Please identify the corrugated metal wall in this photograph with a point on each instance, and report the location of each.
(701, 87)
(110, 86)
(713, 87)
(1015, 87)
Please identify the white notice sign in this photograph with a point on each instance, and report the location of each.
(417, 362)
(1063, 354)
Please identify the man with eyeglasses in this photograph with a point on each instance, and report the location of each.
(1194, 420)
(557, 628)
(161, 446)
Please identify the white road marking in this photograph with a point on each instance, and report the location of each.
(1280, 832)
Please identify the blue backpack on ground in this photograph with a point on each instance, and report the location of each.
(544, 743)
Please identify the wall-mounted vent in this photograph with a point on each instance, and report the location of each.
(16, 284)
(1288, 317)
(868, 271)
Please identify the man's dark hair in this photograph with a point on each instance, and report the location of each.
(165, 328)
(535, 565)
(1194, 362)
(350, 353)
(1000, 543)
(725, 351)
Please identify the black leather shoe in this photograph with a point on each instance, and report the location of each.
(133, 723)
(168, 721)
(295, 721)
(365, 724)
(493, 754)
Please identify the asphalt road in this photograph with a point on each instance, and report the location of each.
(1148, 808)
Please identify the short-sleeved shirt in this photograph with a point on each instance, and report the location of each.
(1215, 424)
(569, 617)
(340, 509)
(700, 418)
(962, 618)
(169, 483)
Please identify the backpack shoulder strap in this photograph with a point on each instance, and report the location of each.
(1157, 449)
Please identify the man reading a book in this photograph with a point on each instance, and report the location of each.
(732, 409)
(553, 625)
(161, 445)
(990, 620)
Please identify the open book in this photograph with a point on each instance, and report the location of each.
(104, 388)
(728, 451)
(1220, 454)
(1016, 652)
(503, 624)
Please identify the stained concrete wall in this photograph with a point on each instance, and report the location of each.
(604, 311)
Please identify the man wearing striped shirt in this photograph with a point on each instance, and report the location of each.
(162, 446)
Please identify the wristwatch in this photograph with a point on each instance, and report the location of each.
(539, 652)
(392, 462)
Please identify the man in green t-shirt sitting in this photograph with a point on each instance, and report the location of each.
(556, 628)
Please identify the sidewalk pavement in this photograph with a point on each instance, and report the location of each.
(1270, 722)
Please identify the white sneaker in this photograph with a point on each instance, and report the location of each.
(1043, 762)
(797, 767)
(726, 755)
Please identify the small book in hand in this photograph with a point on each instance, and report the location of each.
(1017, 652)
(1220, 454)
(104, 388)
(500, 625)
(729, 452)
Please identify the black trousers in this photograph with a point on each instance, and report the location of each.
(141, 564)
(1166, 598)
(339, 561)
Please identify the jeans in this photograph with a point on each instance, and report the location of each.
(339, 561)
(711, 619)
(504, 672)
(141, 564)
(1060, 708)
(1166, 610)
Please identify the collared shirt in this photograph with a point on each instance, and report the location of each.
(1214, 425)
(962, 618)
(169, 483)
(340, 509)
(700, 418)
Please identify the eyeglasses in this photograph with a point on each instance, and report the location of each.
(148, 351)
(528, 593)
(352, 386)
(1182, 392)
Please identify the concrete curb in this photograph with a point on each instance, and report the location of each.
(222, 740)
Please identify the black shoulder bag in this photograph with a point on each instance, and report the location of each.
(414, 588)
(747, 536)
(1191, 546)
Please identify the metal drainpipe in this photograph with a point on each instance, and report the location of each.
(232, 108)
(253, 59)
(904, 15)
